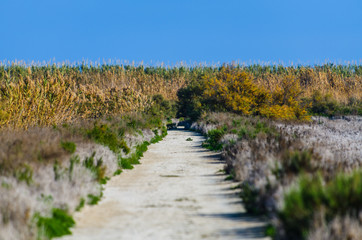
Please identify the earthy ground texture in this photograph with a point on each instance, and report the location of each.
(178, 192)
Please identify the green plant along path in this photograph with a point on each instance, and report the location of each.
(177, 192)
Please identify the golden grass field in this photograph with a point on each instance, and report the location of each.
(46, 95)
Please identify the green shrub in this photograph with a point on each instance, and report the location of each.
(214, 137)
(341, 196)
(344, 195)
(125, 163)
(297, 161)
(80, 205)
(134, 159)
(270, 231)
(249, 195)
(117, 172)
(323, 104)
(162, 108)
(140, 149)
(250, 130)
(104, 135)
(93, 199)
(68, 146)
(158, 137)
(24, 173)
(57, 225)
(57, 171)
(300, 205)
(73, 161)
(95, 167)
(326, 105)
(229, 178)
(189, 100)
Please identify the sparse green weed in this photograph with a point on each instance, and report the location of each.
(213, 139)
(339, 197)
(95, 166)
(24, 173)
(68, 146)
(80, 205)
(57, 225)
(104, 135)
(93, 199)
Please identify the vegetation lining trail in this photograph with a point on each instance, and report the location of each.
(177, 192)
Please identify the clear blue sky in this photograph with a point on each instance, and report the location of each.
(303, 31)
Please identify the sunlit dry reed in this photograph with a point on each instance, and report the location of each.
(51, 94)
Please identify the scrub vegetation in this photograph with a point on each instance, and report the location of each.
(304, 176)
(291, 137)
(286, 133)
(63, 135)
(63, 168)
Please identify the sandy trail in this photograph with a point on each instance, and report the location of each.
(177, 192)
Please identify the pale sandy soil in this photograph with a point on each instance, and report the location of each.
(177, 192)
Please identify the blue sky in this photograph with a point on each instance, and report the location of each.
(210, 31)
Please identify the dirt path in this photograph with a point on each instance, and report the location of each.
(177, 192)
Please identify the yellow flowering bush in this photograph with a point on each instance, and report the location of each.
(235, 91)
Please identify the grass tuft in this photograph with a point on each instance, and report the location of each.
(57, 225)
(68, 146)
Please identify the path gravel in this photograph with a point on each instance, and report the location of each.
(177, 192)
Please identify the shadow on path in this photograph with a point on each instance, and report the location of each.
(249, 232)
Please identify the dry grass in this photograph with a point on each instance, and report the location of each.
(46, 95)
(337, 141)
(38, 172)
(43, 96)
(340, 86)
(55, 101)
(30, 185)
(35, 146)
(339, 228)
(270, 162)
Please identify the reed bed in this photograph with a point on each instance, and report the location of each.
(51, 94)
(33, 95)
(48, 95)
(48, 173)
